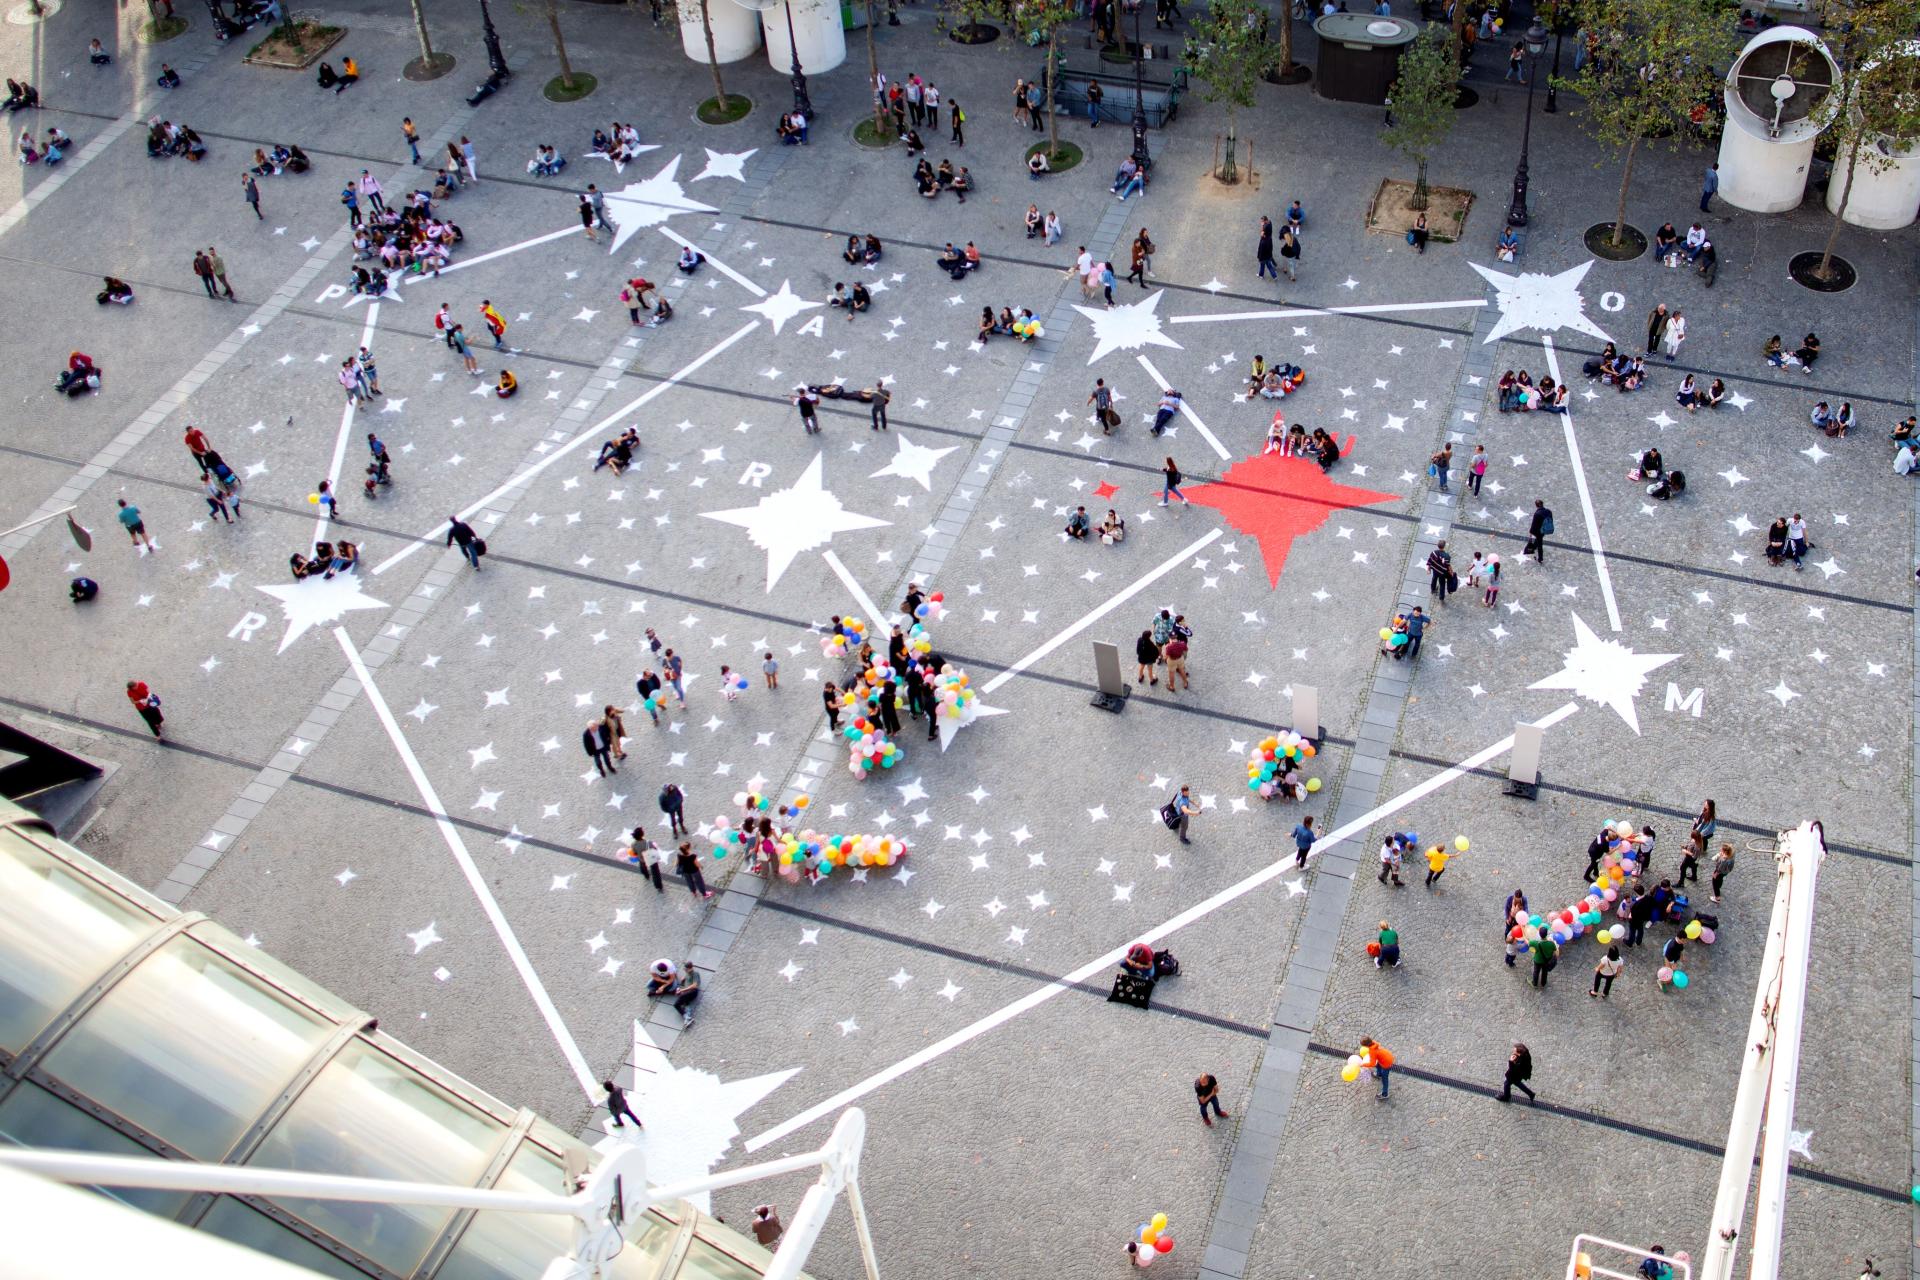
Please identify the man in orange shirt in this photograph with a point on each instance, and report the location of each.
(1377, 1056)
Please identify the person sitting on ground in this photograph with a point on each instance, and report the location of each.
(1138, 961)
(1665, 240)
(962, 183)
(602, 144)
(1842, 420)
(1079, 525)
(81, 375)
(1908, 430)
(1127, 179)
(662, 311)
(838, 298)
(1037, 166)
(1631, 376)
(349, 72)
(81, 590)
(1257, 375)
(787, 132)
(20, 95)
(1807, 352)
(859, 300)
(873, 251)
(507, 385)
(300, 565)
(1005, 322)
(29, 153)
(1668, 485)
(1329, 450)
(1114, 530)
(1509, 246)
(1696, 238)
(1597, 366)
(1652, 466)
(296, 160)
(1026, 328)
(943, 176)
(346, 556)
(1906, 459)
(117, 290)
(1714, 394)
(914, 145)
(987, 326)
(1553, 399)
(953, 262)
(190, 144)
(327, 77)
(924, 181)
(852, 252)
(1822, 417)
(169, 78)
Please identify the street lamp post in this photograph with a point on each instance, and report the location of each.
(1553, 89)
(801, 102)
(1535, 41)
(1140, 154)
(496, 59)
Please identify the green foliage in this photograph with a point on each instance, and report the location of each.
(1228, 53)
(1423, 100)
(1877, 96)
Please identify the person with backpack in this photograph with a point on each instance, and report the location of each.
(1440, 576)
(470, 543)
(147, 703)
(673, 803)
(1181, 810)
(1538, 530)
(1172, 475)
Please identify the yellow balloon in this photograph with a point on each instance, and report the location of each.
(1313, 784)
(1158, 1222)
(1349, 1074)
(1460, 843)
(314, 499)
(1385, 634)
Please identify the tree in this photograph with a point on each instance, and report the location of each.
(1878, 95)
(873, 77)
(426, 42)
(1041, 20)
(1423, 99)
(1658, 59)
(974, 14)
(560, 45)
(1228, 53)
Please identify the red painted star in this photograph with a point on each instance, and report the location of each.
(1106, 490)
(1276, 499)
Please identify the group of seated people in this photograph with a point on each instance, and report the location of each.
(1323, 448)
(281, 159)
(1670, 247)
(958, 262)
(1519, 395)
(328, 558)
(1022, 325)
(792, 129)
(1129, 178)
(409, 239)
(80, 376)
(1617, 369)
(1803, 355)
(116, 291)
(1288, 442)
(617, 453)
(547, 161)
(618, 143)
(853, 303)
(1652, 471)
(1691, 398)
(338, 80)
(1836, 423)
(165, 138)
(862, 252)
(1276, 382)
(1080, 527)
(930, 182)
(52, 151)
(21, 94)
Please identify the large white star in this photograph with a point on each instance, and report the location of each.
(313, 602)
(691, 1116)
(1127, 327)
(650, 203)
(722, 164)
(781, 307)
(913, 461)
(1532, 300)
(1605, 672)
(793, 520)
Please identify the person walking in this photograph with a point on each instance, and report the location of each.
(460, 532)
(593, 740)
(1207, 1089)
(1290, 252)
(807, 401)
(1387, 947)
(616, 727)
(1657, 320)
(1709, 185)
(1379, 1059)
(766, 1226)
(1639, 916)
(1263, 250)
(586, 225)
(1476, 469)
(216, 496)
(1440, 467)
(369, 377)
(617, 1105)
(1519, 1071)
(598, 199)
(645, 854)
(250, 192)
(1605, 972)
(1172, 477)
(1546, 954)
(1390, 860)
(959, 119)
(1184, 807)
(199, 446)
(466, 158)
(1094, 94)
(147, 703)
(1722, 868)
(129, 517)
(675, 669)
(687, 863)
(218, 266)
(1537, 530)
(673, 803)
(412, 135)
(1174, 652)
(457, 339)
(1303, 838)
(1417, 624)
(1440, 577)
(495, 322)
(1437, 856)
(204, 269)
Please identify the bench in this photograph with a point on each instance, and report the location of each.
(1160, 98)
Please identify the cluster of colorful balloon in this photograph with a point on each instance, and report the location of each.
(955, 696)
(1153, 1241)
(845, 636)
(1029, 328)
(1395, 636)
(932, 609)
(1272, 759)
(815, 856)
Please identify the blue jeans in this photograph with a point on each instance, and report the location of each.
(1093, 113)
(1383, 1074)
(471, 551)
(1267, 268)
(1137, 183)
(1171, 491)
(1442, 478)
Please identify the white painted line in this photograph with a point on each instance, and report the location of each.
(714, 262)
(1586, 498)
(1367, 309)
(477, 882)
(464, 263)
(347, 416)
(1165, 567)
(638, 402)
(874, 616)
(1186, 410)
(1233, 892)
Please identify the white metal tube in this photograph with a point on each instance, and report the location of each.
(184, 1175)
(861, 1230)
(28, 524)
(690, 1187)
(802, 1232)
(1806, 850)
(1749, 1099)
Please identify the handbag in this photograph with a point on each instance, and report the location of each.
(480, 546)
(1409, 237)
(1112, 417)
(1170, 815)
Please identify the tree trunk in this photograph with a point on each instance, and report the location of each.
(1825, 270)
(1419, 200)
(1626, 180)
(1286, 41)
(1053, 117)
(420, 26)
(1230, 171)
(560, 45)
(713, 58)
(873, 78)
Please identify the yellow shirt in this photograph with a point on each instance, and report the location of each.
(1437, 859)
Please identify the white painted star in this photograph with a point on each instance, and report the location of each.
(650, 203)
(424, 938)
(1127, 327)
(1782, 693)
(1605, 672)
(913, 462)
(795, 519)
(1547, 303)
(725, 164)
(780, 307)
(314, 602)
